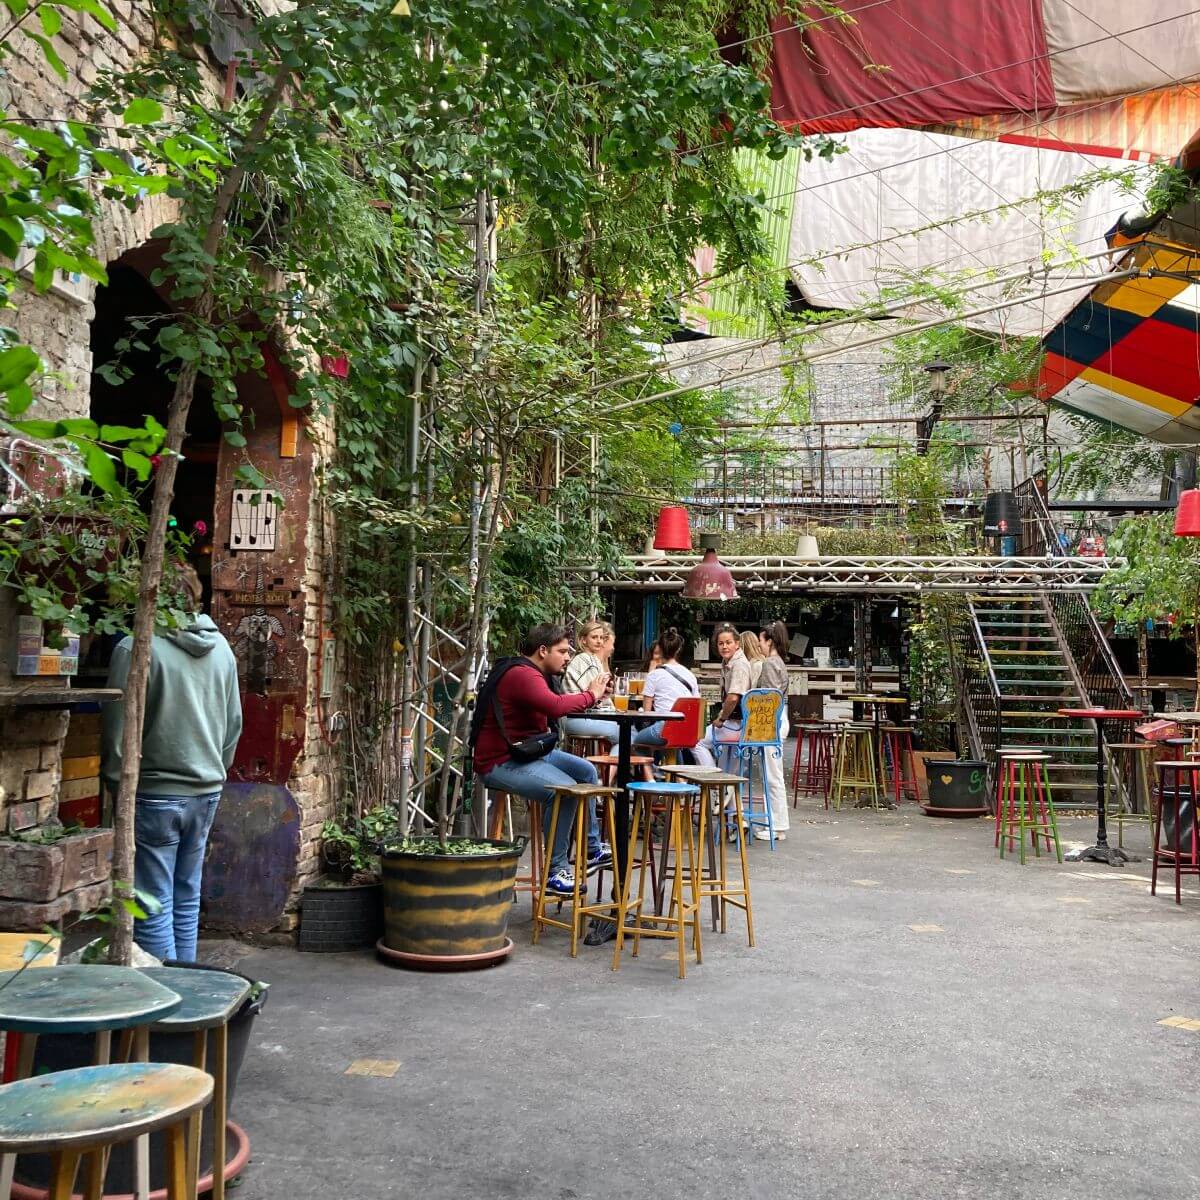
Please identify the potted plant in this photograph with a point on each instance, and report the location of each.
(343, 910)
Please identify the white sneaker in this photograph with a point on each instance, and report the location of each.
(764, 835)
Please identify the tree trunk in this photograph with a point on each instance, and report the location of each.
(121, 949)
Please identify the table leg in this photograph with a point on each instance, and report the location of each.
(195, 1125)
(141, 1154)
(176, 1161)
(712, 827)
(603, 930)
(220, 1108)
(1101, 852)
(63, 1168)
(8, 1162)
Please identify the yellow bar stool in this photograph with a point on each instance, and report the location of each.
(855, 766)
(1128, 800)
(583, 794)
(680, 838)
(721, 806)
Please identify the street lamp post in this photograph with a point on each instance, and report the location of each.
(937, 388)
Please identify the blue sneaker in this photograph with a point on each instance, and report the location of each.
(561, 883)
(599, 857)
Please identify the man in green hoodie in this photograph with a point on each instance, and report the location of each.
(193, 722)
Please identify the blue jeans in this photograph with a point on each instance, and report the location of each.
(592, 727)
(650, 735)
(537, 781)
(171, 833)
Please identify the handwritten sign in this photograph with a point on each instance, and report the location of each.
(762, 716)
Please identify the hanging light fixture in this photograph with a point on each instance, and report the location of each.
(937, 375)
(1187, 515)
(709, 579)
(672, 531)
(806, 547)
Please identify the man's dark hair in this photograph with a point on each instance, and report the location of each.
(542, 635)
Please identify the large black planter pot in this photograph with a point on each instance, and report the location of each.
(60, 1052)
(448, 912)
(337, 917)
(959, 786)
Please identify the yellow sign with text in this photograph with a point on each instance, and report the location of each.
(762, 716)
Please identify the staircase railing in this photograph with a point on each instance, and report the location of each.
(1097, 673)
(976, 686)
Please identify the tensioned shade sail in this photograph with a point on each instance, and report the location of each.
(919, 63)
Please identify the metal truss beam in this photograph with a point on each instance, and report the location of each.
(882, 575)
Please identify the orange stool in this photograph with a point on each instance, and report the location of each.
(898, 760)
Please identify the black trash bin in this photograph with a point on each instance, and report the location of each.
(61, 1052)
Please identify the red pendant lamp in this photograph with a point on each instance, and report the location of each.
(710, 579)
(672, 531)
(1187, 515)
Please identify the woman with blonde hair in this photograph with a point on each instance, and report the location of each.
(595, 642)
(752, 649)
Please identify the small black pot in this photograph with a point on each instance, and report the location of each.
(337, 917)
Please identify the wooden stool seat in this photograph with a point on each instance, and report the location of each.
(583, 793)
(1129, 799)
(679, 836)
(86, 1111)
(716, 881)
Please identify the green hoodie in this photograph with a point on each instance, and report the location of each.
(193, 713)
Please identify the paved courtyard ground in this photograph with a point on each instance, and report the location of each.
(918, 1019)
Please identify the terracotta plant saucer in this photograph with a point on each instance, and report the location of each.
(933, 810)
(444, 962)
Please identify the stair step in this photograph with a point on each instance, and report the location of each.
(1031, 667)
(1019, 637)
(1011, 624)
(1039, 653)
(1034, 698)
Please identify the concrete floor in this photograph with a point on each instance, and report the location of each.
(918, 1019)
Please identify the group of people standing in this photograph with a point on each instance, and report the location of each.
(550, 689)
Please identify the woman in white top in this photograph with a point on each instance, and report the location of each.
(774, 674)
(664, 685)
(596, 640)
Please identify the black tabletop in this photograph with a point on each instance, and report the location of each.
(637, 718)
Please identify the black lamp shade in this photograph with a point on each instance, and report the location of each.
(1001, 517)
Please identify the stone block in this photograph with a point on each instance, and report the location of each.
(28, 915)
(40, 784)
(26, 815)
(87, 858)
(30, 872)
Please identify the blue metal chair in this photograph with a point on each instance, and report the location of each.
(762, 734)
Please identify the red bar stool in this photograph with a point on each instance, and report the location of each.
(898, 758)
(1176, 834)
(500, 825)
(1024, 804)
(811, 774)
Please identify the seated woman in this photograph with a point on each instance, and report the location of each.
(664, 685)
(596, 640)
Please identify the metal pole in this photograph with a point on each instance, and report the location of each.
(408, 681)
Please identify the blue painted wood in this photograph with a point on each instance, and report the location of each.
(81, 999)
(97, 1105)
(210, 998)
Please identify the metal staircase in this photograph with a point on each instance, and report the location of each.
(1019, 658)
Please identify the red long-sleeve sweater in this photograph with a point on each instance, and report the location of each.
(528, 706)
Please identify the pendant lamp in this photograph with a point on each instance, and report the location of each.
(806, 547)
(1187, 515)
(1000, 514)
(672, 531)
(709, 579)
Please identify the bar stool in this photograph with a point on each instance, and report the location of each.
(583, 793)
(716, 882)
(1131, 777)
(1025, 805)
(898, 760)
(83, 1113)
(500, 827)
(606, 764)
(684, 909)
(585, 747)
(1175, 847)
(817, 765)
(855, 767)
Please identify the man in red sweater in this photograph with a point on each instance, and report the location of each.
(527, 705)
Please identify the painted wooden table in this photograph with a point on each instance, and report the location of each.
(1101, 852)
(210, 1000)
(86, 1111)
(83, 999)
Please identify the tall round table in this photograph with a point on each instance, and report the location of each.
(603, 930)
(1101, 852)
